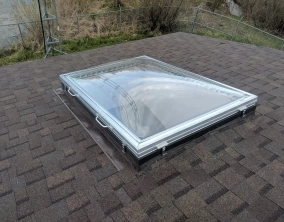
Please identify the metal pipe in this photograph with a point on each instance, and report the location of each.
(49, 38)
(42, 28)
(77, 21)
(204, 10)
(194, 21)
(262, 31)
(120, 17)
(213, 28)
(21, 35)
(236, 28)
(61, 52)
(57, 27)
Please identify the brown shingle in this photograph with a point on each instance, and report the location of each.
(232, 173)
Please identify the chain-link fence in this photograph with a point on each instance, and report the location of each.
(190, 19)
(212, 24)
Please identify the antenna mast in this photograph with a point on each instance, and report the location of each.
(51, 39)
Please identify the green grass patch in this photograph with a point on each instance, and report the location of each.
(225, 28)
(12, 56)
(212, 34)
(90, 43)
(249, 37)
(244, 35)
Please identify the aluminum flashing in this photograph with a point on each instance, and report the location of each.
(149, 105)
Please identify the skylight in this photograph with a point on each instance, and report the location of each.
(149, 105)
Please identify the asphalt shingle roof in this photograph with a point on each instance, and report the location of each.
(51, 169)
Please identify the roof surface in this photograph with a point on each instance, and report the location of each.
(51, 169)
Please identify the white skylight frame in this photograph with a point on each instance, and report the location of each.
(143, 147)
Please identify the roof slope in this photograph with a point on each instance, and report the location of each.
(50, 169)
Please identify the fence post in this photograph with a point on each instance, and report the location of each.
(119, 17)
(195, 18)
(236, 28)
(77, 21)
(21, 35)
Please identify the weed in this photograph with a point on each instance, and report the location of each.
(160, 15)
(13, 56)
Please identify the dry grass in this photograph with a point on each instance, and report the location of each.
(154, 18)
(96, 26)
(23, 12)
(71, 28)
(160, 15)
(73, 7)
(266, 14)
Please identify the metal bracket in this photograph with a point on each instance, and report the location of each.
(244, 113)
(123, 148)
(99, 122)
(163, 152)
(72, 94)
(243, 110)
(162, 147)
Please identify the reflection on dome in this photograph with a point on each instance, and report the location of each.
(147, 101)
